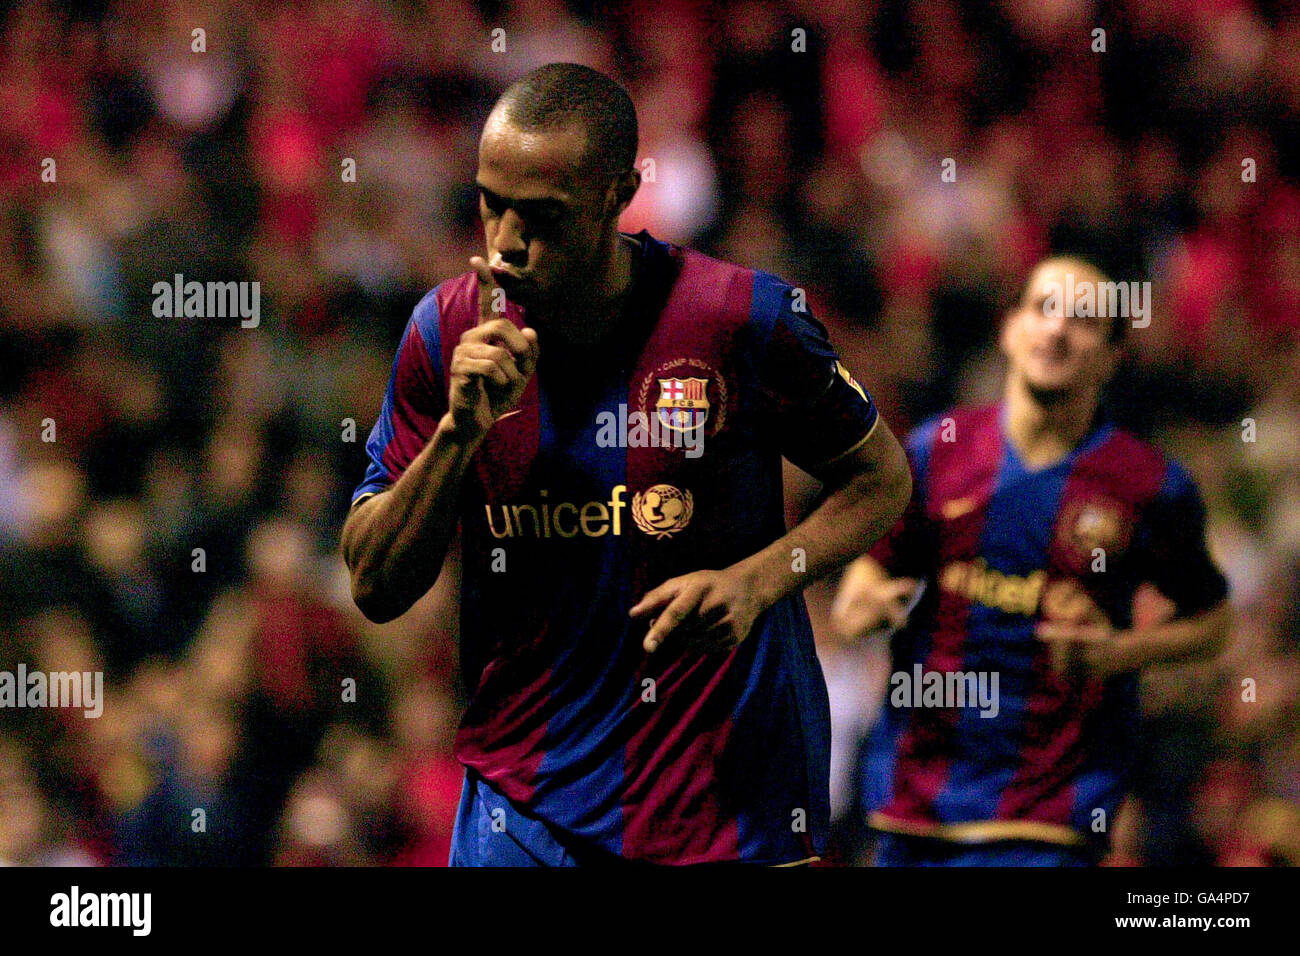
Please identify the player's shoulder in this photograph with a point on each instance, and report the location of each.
(1144, 462)
(1129, 442)
(774, 298)
(1155, 479)
(426, 317)
(722, 291)
(448, 308)
(697, 266)
(709, 302)
(418, 359)
(1173, 480)
(951, 430)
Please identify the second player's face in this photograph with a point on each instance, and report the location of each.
(1051, 351)
(541, 212)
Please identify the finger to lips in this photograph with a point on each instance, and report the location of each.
(485, 286)
(523, 343)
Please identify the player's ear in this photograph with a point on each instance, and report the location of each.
(1004, 331)
(1115, 352)
(622, 189)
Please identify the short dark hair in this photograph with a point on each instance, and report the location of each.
(557, 94)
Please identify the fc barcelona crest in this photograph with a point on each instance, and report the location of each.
(1093, 523)
(683, 403)
(686, 395)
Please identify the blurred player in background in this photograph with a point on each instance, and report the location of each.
(625, 703)
(1033, 523)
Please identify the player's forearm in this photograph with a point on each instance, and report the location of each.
(1196, 637)
(395, 542)
(849, 521)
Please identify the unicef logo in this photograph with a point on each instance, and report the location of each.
(662, 510)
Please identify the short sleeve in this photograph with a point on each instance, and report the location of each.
(414, 403)
(820, 413)
(1170, 546)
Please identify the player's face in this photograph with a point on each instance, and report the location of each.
(1054, 352)
(543, 213)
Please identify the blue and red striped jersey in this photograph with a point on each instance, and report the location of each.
(1001, 547)
(672, 757)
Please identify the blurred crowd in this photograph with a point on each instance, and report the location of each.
(171, 490)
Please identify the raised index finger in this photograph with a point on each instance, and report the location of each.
(502, 331)
(487, 295)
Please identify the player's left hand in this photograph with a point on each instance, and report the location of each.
(1079, 651)
(704, 611)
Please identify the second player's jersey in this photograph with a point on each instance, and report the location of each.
(591, 495)
(1028, 753)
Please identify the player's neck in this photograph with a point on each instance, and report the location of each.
(590, 320)
(1044, 432)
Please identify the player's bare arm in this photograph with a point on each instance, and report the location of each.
(715, 610)
(1098, 650)
(394, 542)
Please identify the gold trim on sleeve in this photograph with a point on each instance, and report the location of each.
(981, 831)
(852, 448)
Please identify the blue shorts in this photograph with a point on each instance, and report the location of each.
(893, 849)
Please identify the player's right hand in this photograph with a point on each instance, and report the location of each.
(491, 365)
(868, 599)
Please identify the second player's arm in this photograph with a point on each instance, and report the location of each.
(1196, 637)
(1104, 652)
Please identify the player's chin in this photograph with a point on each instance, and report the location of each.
(1051, 388)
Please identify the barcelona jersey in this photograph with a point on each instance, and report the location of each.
(654, 455)
(1001, 547)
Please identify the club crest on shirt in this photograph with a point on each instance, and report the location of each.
(685, 394)
(1092, 523)
(683, 403)
(662, 510)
